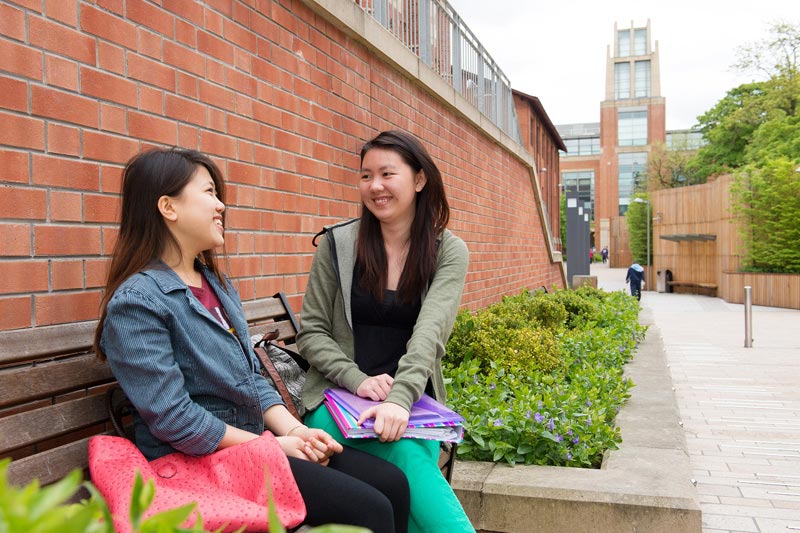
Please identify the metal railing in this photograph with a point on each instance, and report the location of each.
(437, 35)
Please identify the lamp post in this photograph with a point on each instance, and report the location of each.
(643, 201)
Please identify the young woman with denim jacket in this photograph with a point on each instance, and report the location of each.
(174, 333)
(381, 301)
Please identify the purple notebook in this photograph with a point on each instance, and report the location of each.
(426, 412)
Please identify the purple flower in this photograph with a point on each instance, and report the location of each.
(538, 417)
(621, 349)
(539, 405)
(576, 440)
(569, 456)
(569, 432)
(492, 386)
(498, 422)
(559, 438)
(528, 414)
(589, 421)
(551, 424)
(589, 403)
(475, 380)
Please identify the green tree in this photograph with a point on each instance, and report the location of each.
(767, 197)
(748, 111)
(636, 217)
(668, 168)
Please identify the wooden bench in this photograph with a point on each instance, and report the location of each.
(710, 288)
(54, 392)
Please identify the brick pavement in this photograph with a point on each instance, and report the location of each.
(740, 407)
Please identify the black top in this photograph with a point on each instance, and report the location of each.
(381, 330)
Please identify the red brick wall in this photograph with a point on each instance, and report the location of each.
(280, 98)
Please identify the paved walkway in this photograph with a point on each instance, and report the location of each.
(740, 406)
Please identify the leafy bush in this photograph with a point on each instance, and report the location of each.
(522, 409)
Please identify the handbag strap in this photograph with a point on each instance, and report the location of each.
(266, 362)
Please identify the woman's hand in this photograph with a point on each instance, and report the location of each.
(322, 444)
(376, 388)
(299, 448)
(391, 420)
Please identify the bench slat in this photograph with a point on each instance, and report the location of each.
(51, 465)
(22, 345)
(26, 384)
(30, 427)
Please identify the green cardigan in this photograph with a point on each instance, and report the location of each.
(326, 341)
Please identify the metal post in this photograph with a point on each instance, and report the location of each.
(748, 316)
(649, 270)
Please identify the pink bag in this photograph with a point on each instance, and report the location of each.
(229, 486)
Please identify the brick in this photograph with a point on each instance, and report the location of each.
(149, 44)
(59, 105)
(15, 239)
(105, 86)
(65, 11)
(188, 137)
(66, 275)
(101, 208)
(21, 60)
(61, 308)
(217, 120)
(191, 11)
(104, 147)
(14, 166)
(107, 26)
(111, 58)
(66, 206)
(215, 47)
(16, 202)
(23, 276)
(12, 22)
(185, 110)
(113, 118)
(15, 313)
(151, 72)
(187, 85)
(96, 272)
(69, 173)
(151, 16)
(21, 131)
(241, 83)
(152, 128)
(222, 98)
(184, 58)
(66, 240)
(239, 36)
(111, 178)
(110, 235)
(14, 94)
(60, 72)
(62, 40)
(186, 33)
(216, 144)
(242, 173)
(151, 100)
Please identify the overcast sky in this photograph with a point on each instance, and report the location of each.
(557, 50)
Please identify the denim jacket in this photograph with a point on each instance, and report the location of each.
(186, 375)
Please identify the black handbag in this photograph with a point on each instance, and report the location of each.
(285, 368)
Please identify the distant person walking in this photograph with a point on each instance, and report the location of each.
(604, 254)
(635, 277)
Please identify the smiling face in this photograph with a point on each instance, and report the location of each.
(194, 216)
(389, 187)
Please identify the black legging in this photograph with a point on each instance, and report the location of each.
(357, 489)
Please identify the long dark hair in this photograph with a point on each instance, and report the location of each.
(143, 234)
(431, 215)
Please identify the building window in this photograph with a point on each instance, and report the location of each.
(583, 183)
(632, 177)
(622, 80)
(632, 128)
(685, 140)
(624, 43)
(640, 42)
(642, 79)
(582, 146)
